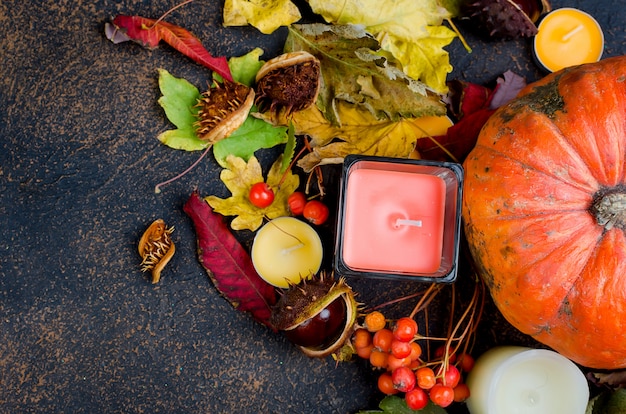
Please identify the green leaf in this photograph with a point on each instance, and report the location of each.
(289, 151)
(244, 68)
(178, 100)
(182, 139)
(392, 404)
(251, 136)
(354, 71)
(609, 402)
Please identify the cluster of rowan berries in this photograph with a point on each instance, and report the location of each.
(393, 348)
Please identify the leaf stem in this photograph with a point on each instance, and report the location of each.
(456, 30)
(164, 15)
(157, 188)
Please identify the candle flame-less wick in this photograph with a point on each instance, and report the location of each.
(572, 32)
(405, 222)
(288, 250)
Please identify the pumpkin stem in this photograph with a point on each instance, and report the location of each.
(609, 210)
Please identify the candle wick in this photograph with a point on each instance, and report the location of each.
(572, 32)
(405, 222)
(292, 248)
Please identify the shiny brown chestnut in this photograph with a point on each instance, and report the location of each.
(317, 314)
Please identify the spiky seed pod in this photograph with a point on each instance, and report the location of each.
(507, 18)
(317, 314)
(156, 248)
(223, 108)
(290, 81)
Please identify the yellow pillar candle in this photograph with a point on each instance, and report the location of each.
(285, 250)
(568, 37)
(512, 379)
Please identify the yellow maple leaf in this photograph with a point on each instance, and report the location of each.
(359, 133)
(410, 30)
(265, 15)
(238, 177)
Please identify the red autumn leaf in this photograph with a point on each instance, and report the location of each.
(227, 263)
(459, 140)
(150, 32)
(472, 104)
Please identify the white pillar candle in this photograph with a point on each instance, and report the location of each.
(518, 380)
(285, 250)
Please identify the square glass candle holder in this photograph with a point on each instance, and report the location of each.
(399, 219)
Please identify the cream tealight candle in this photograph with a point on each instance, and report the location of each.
(285, 250)
(519, 380)
(567, 37)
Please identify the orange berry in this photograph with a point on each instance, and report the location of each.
(461, 392)
(365, 351)
(361, 338)
(382, 339)
(379, 358)
(425, 378)
(385, 384)
(375, 321)
(395, 362)
(466, 362)
(416, 351)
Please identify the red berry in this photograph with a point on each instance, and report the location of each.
(296, 203)
(405, 329)
(404, 379)
(382, 339)
(416, 399)
(261, 195)
(400, 349)
(451, 377)
(442, 395)
(440, 352)
(316, 212)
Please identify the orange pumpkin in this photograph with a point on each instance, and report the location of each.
(545, 211)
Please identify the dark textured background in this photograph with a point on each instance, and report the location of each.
(81, 329)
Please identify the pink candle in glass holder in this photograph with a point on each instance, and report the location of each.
(399, 219)
(395, 221)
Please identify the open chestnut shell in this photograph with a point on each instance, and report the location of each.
(317, 315)
(290, 81)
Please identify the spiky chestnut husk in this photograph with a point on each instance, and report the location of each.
(223, 108)
(290, 81)
(302, 307)
(507, 18)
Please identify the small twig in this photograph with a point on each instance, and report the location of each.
(157, 188)
(429, 295)
(393, 302)
(164, 15)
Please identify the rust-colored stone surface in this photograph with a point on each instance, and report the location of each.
(81, 329)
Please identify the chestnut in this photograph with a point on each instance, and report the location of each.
(321, 330)
(317, 314)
